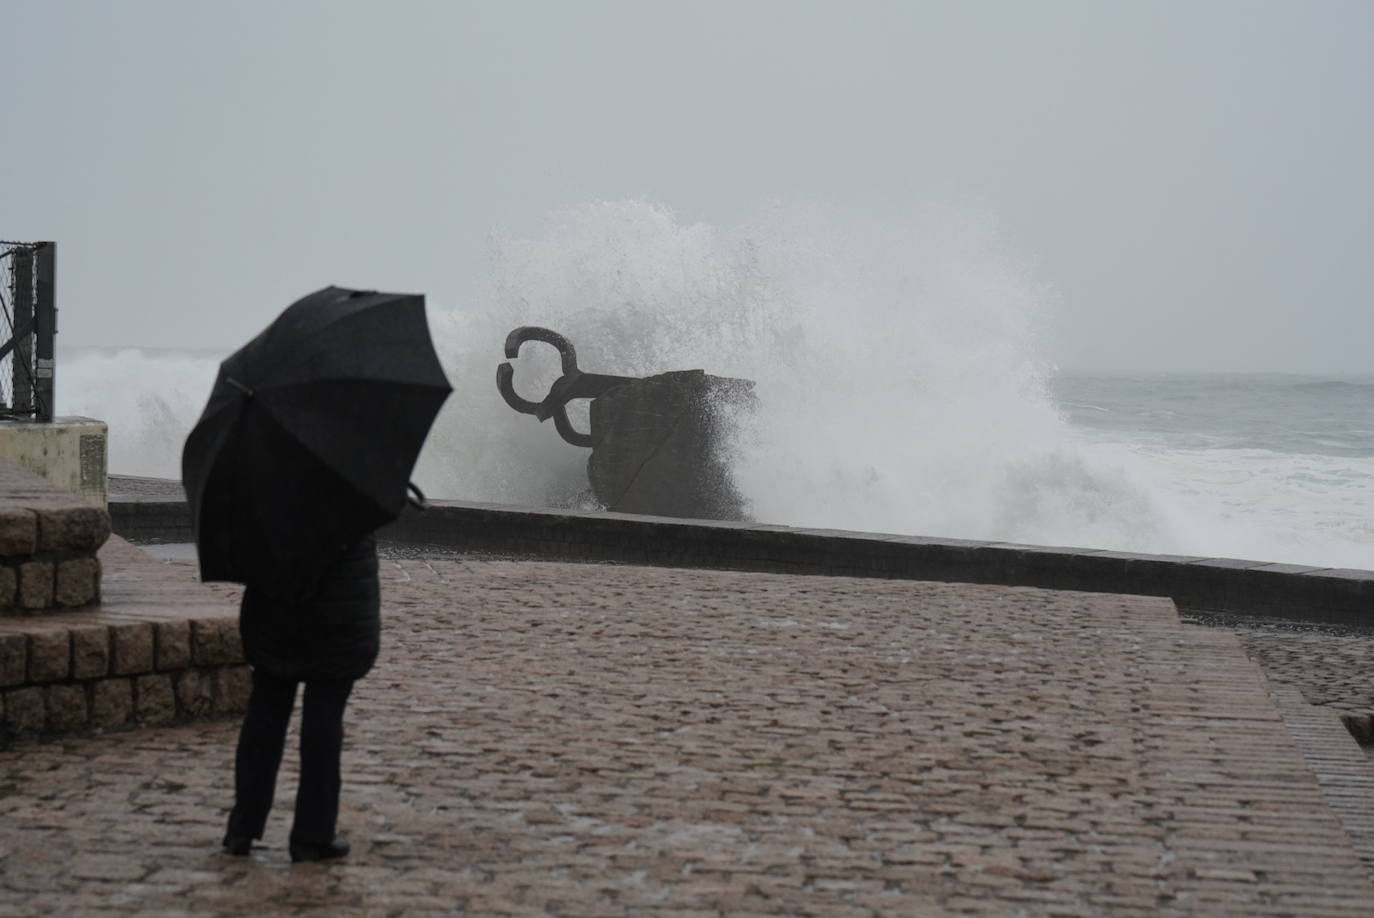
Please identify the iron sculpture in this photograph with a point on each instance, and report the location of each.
(572, 384)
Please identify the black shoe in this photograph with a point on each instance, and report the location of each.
(237, 845)
(302, 851)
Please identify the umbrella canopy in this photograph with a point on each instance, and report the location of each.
(310, 435)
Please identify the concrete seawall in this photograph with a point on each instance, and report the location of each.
(1216, 585)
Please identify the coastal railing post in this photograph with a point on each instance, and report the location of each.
(21, 368)
(45, 324)
(21, 365)
(32, 268)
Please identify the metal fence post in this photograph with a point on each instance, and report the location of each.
(45, 324)
(21, 359)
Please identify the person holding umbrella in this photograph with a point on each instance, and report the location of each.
(305, 448)
(326, 639)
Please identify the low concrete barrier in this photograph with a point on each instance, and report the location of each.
(1219, 585)
(68, 452)
(152, 520)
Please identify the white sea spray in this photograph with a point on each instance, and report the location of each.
(149, 399)
(900, 372)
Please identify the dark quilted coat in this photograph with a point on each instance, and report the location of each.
(334, 634)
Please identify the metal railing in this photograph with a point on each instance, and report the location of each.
(28, 327)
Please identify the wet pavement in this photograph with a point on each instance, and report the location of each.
(543, 738)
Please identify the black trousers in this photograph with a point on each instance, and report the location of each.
(261, 742)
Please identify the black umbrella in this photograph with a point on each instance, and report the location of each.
(310, 436)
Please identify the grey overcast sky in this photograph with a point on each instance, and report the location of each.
(1191, 178)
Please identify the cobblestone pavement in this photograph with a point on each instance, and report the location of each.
(1334, 670)
(547, 738)
(1331, 666)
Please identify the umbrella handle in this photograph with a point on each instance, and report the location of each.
(417, 498)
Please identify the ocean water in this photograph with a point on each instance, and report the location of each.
(902, 382)
(1266, 466)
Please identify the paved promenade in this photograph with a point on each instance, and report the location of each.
(545, 738)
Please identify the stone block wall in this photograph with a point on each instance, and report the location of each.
(48, 544)
(72, 676)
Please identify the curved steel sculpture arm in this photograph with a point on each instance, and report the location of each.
(572, 384)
